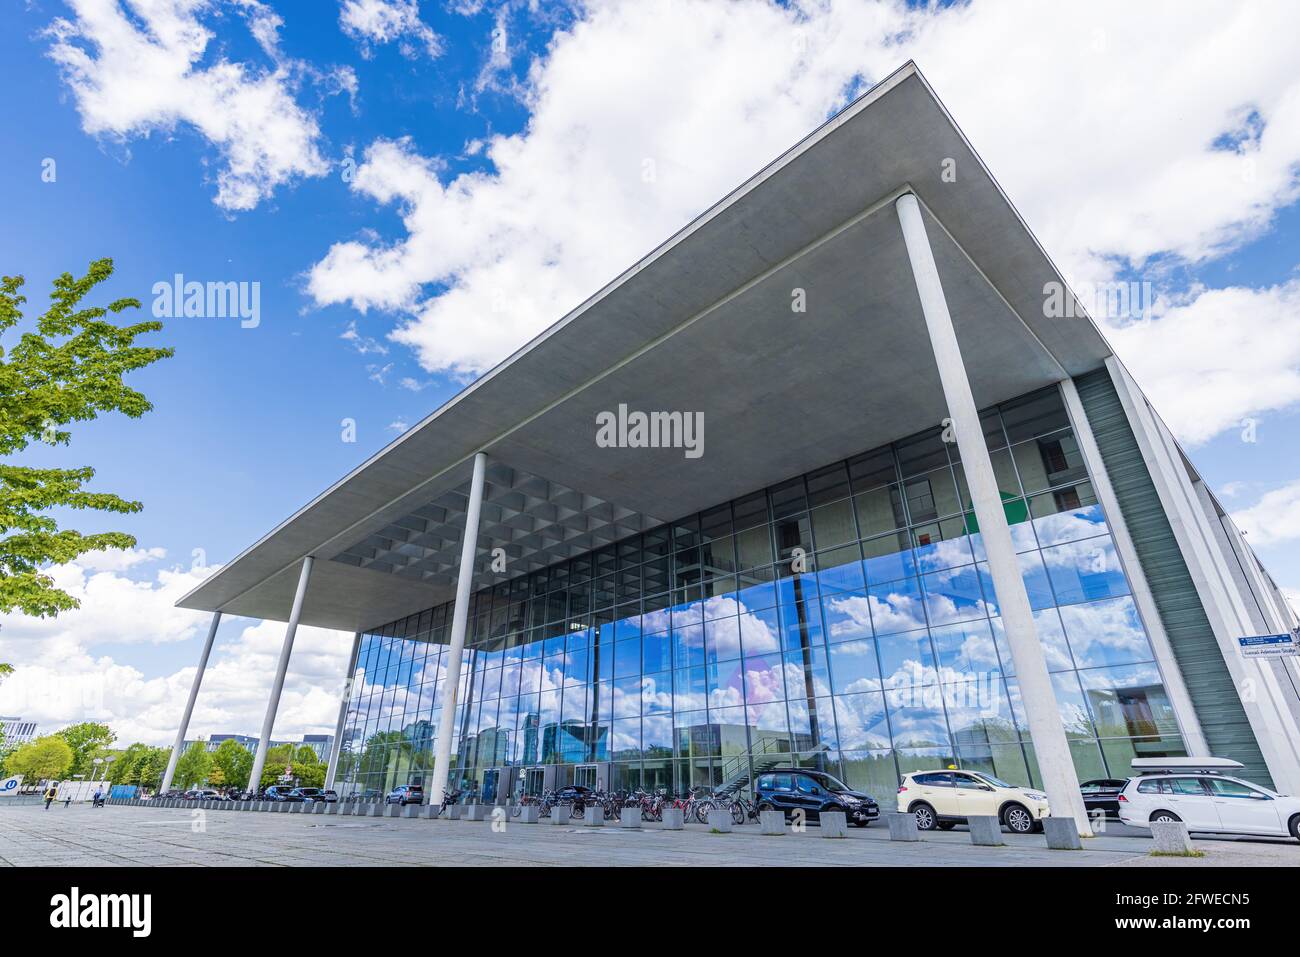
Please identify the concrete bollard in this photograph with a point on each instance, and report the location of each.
(297, 808)
(985, 830)
(674, 819)
(454, 811)
(393, 810)
(318, 807)
(833, 824)
(1062, 834)
(362, 809)
(529, 814)
(771, 822)
(720, 820)
(377, 810)
(476, 812)
(902, 826)
(430, 812)
(411, 811)
(560, 814)
(330, 808)
(593, 816)
(1171, 837)
(629, 817)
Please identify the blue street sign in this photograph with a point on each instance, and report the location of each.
(1268, 646)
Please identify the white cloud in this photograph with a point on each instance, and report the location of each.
(1224, 356)
(385, 21)
(144, 66)
(1274, 519)
(1108, 118)
(60, 677)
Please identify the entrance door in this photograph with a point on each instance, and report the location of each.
(531, 783)
(491, 778)
(584, 775)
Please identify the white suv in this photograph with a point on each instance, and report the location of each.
(1208, 802)
(943, 799)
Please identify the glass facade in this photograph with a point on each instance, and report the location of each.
(843, 619)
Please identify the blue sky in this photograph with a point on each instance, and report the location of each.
(419, 187)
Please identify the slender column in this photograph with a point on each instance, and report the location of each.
(343, 713)
(459, 618)
(286, 649)
(189, 705)
(1041, 711)
(1184, 712)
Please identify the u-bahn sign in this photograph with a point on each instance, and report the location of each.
(10, 785)
(1269, 646)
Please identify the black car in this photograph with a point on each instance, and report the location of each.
(799, 789)
(405, 794)
(278, 792)
(1102, 794)
(307, 795)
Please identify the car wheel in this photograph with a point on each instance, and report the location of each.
(926, 820)
(1018, 819)
(1164, 816)
(1294, 827)
(946, 825)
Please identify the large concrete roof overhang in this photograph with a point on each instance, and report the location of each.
(703, 323)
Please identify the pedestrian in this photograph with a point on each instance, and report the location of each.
(50, 794)
(99, 796)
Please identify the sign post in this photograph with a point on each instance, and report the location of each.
(1270, 646)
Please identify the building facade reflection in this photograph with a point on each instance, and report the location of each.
(843, 619)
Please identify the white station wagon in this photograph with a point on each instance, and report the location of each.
(1203, 795)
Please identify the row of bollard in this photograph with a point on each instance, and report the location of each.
(1060, 832)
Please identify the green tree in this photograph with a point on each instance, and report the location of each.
(87, 740)
(193, 767)
(48, 757)
(235, 762)
(5, 671)
(69, 368)
(120, 771)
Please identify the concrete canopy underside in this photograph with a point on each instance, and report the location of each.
(702, 324)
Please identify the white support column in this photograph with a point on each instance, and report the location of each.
(459, 618)
(1041, 711)
(277, 685)
(189, 705)
(343, 713)
(1175, 687)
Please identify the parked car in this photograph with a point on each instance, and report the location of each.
(201, 794)
(944, 799)
(328, 796)
(1102, 794)
(405, 794)
(1197, 792)
(813, 792)
(280, 792)
(307, 795)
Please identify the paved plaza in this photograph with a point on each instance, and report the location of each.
(137, 836)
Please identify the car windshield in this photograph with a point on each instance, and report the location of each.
(996, 782)
(832, 784)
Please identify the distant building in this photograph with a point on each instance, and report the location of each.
(17, 731)
(319, 743)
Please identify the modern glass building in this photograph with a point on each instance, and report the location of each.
(843, 619)
(920, 518)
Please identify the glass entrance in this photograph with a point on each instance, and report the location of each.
(491, 778)
(584, 775)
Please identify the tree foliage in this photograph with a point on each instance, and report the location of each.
(87, 740)
(69, 368)
(48, 757)
(234, 762)
(193, 766)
